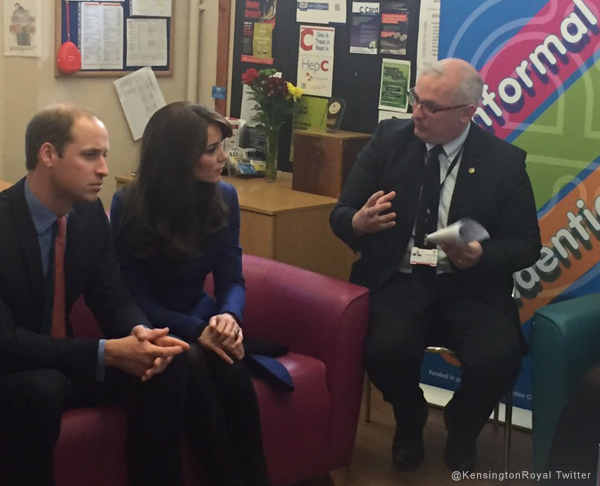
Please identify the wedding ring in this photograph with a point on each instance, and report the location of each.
(236, 333)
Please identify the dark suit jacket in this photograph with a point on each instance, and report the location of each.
(91, 269)
(171, 292)
(492, 187)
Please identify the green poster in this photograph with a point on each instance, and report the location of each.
(395, 76)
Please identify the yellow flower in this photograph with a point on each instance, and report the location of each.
(294, 91)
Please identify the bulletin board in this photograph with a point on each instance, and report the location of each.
(356, 77)
(61, 36)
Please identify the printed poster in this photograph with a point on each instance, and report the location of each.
(393, 91)
(429, 34)
(257, 39)
(309, 114)
(364, 31)
(315, 60)
(394, 28)
(321, 12)
(22, 28)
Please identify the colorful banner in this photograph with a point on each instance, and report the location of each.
(540, 64)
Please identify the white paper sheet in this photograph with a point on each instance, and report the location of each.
(101, 36)
(147, 42)
(22, 25)
(315, 60)
(429, 34)
(321, 12)
(463, 231)
(386, 115)
(249, 108)
(151, 8)
(140, 97)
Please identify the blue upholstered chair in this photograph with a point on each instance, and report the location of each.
(565, 343)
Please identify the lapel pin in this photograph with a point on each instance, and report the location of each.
(471, 170)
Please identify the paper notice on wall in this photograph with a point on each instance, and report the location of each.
(260, 19)
(386, 115)
(394, 28)
(315, 60)
(22, 27)
(395, 76)
(429, 34)
(321, 12)
(101, 36)
(151, 8)
(364, 31)
(147, 42)
(140, 97)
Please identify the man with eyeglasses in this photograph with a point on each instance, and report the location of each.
(411, 179)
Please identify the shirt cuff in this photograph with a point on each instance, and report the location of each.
(100, 368)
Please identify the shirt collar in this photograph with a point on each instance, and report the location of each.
(452, 148)
(42, 217)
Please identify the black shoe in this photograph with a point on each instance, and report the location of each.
(408, 450)
(459, 456)
(408, 454)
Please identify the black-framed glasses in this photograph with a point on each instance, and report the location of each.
(429, 107)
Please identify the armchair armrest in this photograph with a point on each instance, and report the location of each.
(318, 316)
(566, 342)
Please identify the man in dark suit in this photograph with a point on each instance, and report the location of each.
(42, 375)
(458, 294)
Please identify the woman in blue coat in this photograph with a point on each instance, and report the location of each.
(176, 223)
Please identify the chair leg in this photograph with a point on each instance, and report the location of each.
(367, 399)
(496, 416)
(507, 432)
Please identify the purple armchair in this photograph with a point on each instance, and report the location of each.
(307, 433)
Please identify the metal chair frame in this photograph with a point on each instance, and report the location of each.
(507, 413)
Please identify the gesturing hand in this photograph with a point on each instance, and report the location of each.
(369, 218)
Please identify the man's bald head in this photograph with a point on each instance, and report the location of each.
(466, 79)
(53, 125)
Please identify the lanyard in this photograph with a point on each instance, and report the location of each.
(452, 166)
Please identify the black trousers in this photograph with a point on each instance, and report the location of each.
(484, 338)
(576, 442)
(211, 401)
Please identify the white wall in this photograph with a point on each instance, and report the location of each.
(28, 84)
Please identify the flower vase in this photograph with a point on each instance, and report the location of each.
(271, 153)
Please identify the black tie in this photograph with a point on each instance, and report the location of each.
(423, 276)
(429, 202)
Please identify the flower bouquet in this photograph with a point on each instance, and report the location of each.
(275, 98)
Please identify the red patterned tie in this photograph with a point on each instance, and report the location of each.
(58, 307)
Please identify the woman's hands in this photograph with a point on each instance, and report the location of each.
(223, 336)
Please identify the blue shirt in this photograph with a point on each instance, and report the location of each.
(44, 222)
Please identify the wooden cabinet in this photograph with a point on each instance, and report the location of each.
(322, 161)
(288, 226)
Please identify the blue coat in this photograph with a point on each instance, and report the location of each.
(171, 293)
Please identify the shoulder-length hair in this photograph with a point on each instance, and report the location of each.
(167, 210)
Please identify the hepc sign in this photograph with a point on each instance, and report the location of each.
(315, 60)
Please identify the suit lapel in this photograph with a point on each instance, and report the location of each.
(30, 245)
(471, 160)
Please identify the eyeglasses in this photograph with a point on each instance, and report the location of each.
(429, 107)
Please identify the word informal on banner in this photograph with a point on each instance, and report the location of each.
(527, 86)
